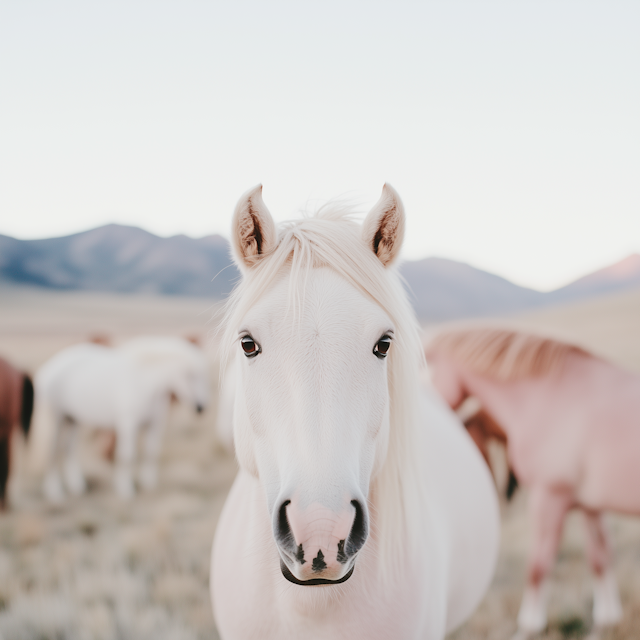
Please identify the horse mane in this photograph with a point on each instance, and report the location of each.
(503, 354)
(331, 238)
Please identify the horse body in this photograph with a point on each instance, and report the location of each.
(362, 508)
(16, 405)
(126, 389)
(457, 560)
(11, 383)
(577, 428)
(573, 437)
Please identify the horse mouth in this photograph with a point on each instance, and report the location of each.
(314, 581)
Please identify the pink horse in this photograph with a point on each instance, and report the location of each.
(572, 423)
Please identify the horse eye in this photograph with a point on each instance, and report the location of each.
(250, 347)
(382, 347)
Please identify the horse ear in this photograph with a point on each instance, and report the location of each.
(193, 339)
(383, 228)
(253, 231)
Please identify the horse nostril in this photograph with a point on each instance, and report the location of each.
(359, 530)
(283, 532)
(199, 408)
(284, 535)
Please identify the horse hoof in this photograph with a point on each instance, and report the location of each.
(607, 608)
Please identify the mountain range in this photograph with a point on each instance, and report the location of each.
(126, 259)
(123, 259)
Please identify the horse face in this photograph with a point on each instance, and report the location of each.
(201, 387)
(191, 385)
(312, 418)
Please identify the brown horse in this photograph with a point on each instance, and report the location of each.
(573, 438)
(16, 406)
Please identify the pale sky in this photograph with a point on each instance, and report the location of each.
(511, 129)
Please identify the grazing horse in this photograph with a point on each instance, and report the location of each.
(362, 509)
(128, 389)
(16, 406)
(573, 437)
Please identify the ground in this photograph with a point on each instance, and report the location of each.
(101, 569)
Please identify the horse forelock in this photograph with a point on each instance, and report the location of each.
(503, 354)
(332, 238)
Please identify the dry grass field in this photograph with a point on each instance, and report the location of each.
(100, 569)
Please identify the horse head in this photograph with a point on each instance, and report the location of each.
(189, 378)
(180, 367)
(312, 349)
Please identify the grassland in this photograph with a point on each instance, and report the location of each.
(99, 569)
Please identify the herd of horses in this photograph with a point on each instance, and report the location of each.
(362, 508)
(126, 389)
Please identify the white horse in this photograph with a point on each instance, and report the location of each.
(362, 508)
(128, 389)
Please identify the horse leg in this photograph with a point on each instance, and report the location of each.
(607, 609)
(547, 508)
(52, 486)
(151, 444)
(71, 470)
(125, 454)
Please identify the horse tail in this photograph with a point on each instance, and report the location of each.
(4, 470)
(512, 484)
(27, 405)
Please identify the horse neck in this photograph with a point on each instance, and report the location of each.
(489, 392)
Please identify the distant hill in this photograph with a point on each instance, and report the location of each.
(442, 289)
(127, 259)
(621, 276)
(448, 290)
(121, 258)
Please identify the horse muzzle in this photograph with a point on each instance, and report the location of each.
(313, 582)
(317, 545)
